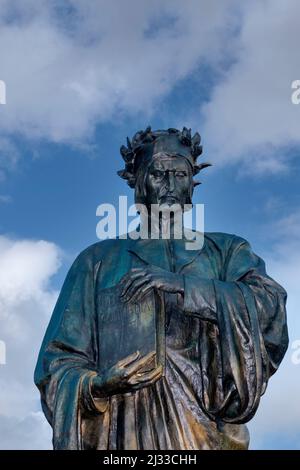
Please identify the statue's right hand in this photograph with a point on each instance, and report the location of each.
(126, 376)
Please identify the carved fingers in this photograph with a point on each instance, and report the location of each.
(139, 281)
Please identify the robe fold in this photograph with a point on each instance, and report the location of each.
(224, 338)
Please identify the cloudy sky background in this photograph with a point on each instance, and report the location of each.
(80, 77)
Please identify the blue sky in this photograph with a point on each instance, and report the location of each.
(80, 77)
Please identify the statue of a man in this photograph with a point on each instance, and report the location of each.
(225, 327)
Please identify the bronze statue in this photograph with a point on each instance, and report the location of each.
(151, 345)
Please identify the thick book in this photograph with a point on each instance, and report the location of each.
(127, 327)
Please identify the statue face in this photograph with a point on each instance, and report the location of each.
(169, 181)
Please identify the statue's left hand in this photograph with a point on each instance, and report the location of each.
(139, 281)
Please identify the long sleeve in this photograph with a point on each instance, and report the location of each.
(243, 333)
(68, 358)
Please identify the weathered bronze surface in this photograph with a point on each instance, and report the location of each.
(209, 325)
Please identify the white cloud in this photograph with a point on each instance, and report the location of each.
(26, 302)
(32, 432)
(67, 69)
(250, 115)
(83, 63)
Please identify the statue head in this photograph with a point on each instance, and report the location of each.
(160, 166)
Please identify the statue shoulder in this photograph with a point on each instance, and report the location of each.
(226, 242)
(99, 251)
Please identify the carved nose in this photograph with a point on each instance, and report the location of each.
(171, 182)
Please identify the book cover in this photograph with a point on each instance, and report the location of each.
(127, 327)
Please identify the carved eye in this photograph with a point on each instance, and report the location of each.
(157, 174)
(180, 174)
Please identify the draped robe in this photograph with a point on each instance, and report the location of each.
(224, 338)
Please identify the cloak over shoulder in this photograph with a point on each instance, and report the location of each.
(223, 342)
